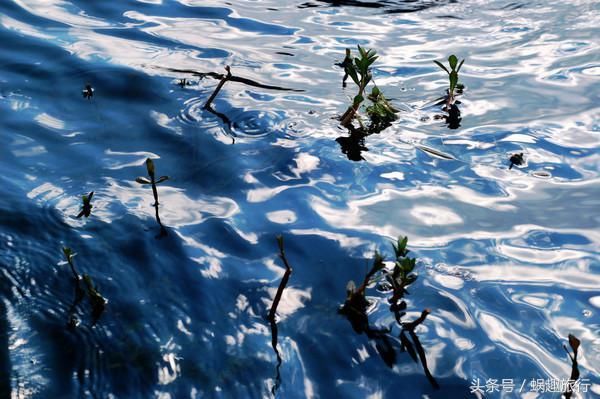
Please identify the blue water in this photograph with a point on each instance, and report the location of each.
(508, 260)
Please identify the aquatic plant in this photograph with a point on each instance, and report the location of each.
(397, 279)
(73, 321)
(380, 111)
(69, 254)
(88, 91)
(86, 207)
(153, 182)
(97, 301)
(360, 73)
(574, 343)
(516, 159)
(452, 75)
(356, 304)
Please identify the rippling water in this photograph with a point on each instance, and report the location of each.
(508, 259)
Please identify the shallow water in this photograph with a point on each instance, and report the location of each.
(508, 259)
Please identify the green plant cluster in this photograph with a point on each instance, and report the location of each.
(397, 279)
(359, 70)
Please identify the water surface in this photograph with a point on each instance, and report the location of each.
(508, 259)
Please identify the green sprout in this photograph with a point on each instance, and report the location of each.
(402, 275)
(86, 207)
(452, 75)
(153, 182)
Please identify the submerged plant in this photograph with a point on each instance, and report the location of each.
(97, 301)
(86, 207)
(69, 254)
(356, 304)
(452, 75)
(153, 182)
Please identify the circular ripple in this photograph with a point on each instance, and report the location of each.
(192, 112)
(257, 123)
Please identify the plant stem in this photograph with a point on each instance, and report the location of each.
(219, 86)
(284, 280)
(75, 274)
(353, 109)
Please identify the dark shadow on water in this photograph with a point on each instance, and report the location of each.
(353, 145)
(453, 118)
(387, 6)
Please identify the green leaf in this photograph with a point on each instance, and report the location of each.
(371, 60)
(453, 80)
(452, 60)
(358, 99)
(68, 253)
(402, 242)
(442, 66)
(362, 52)
(143, 180)
(352, 73)
(162, 179)
(460, 66)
